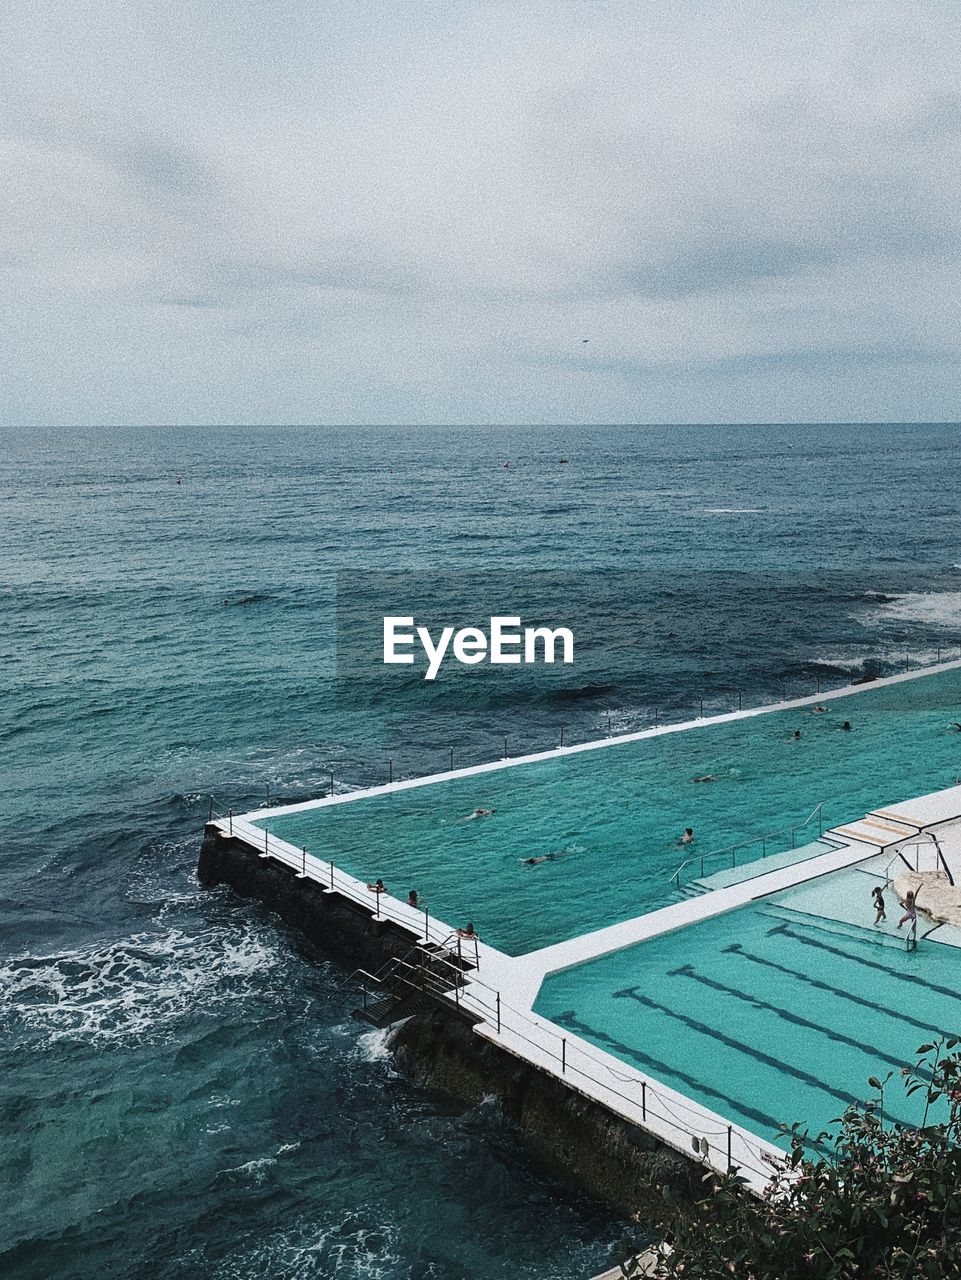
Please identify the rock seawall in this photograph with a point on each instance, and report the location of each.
(575, 1136)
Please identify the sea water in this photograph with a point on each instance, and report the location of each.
(180, 1091)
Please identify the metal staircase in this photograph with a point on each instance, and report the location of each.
(408, 984)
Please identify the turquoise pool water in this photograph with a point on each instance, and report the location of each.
(610, 816)
(763, 1018)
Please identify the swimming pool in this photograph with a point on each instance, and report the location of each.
(609, 817)
(765, 1018)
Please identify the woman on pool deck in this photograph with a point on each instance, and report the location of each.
(878, 899)
(910, 909)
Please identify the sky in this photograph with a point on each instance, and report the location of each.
(396, 211)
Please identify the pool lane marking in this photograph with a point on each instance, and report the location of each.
(862, 960)
(570, 1020)
(688, 971)
(736, 948)
(749, 1051)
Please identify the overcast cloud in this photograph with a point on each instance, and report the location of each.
(395, 211)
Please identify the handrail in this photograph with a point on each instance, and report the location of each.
(497, 1014)
(732, 849)
(916, 842)
(480, 999)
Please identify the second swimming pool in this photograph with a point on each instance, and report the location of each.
(765, 1016)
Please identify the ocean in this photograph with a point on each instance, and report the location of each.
(183, 1090)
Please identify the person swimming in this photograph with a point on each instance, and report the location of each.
(686, 838)
(480, 813)
(412, 899)
(377, 887)
(795, 736)
(818, 710)
(846, 726)
(706, 777)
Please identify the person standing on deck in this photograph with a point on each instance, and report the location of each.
(878, 899)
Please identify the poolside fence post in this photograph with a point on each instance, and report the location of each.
(304, 868)
(783, 690)
(426, 925)
(939, 653)
(643, 1099)
(504, 756)
(390, 771)
(730, 1162)
(452, 759)
(266, 850)
(817, 683)
(498, 1013)
(331, 865)
(267, 801)
(608, 730)
(562, 735)
(230, 821)
(739, 699)
(701, 709)
(331, 782)
(210, 809)
(564, 1054)
(655, 716)
(906, 660)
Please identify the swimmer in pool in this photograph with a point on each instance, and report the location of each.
(706, 777)
(795, 736)
(542, 857)
(818, 711)
(846, 726)
(480, 813)
(686, 838)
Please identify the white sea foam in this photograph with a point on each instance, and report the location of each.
(374, 1046)
(135, 987)
(349, 1250)
(936, 608)
(733, 511)
(256, 1170)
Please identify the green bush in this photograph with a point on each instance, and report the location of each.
(885, 1201)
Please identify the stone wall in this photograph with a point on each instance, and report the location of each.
(577, 1137)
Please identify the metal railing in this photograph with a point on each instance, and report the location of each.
(653, 716)
(723, 1146)
(377, 902)
(731, 851)
(925, 839)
